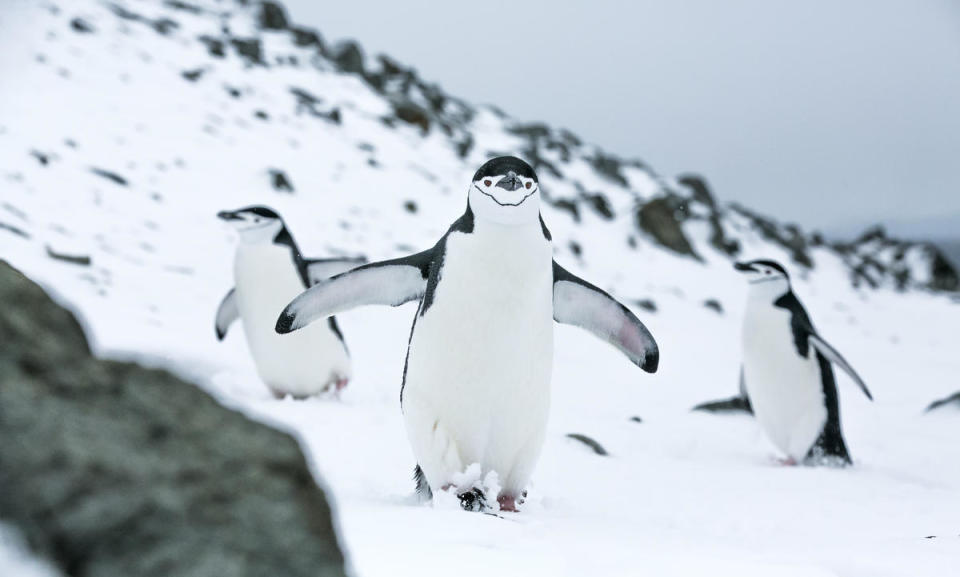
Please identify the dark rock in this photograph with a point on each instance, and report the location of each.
(412, 114)
(78, 259)
(738, 404)
(698, 186)
(81, 26)
(262, 115)
(304, 37)
(636, 419)
(575, 248)
(944, 274)
(609, 166)
(646, 304)
(162, 26)
(307, 102)
(465, 145)
(113, 469)
(595, 446)
(249, 49)
(215, 46)
(15, 230)
(280, 181)
(569, 206)
(193, 75)
(272, 16)
(42, 158)
(953, 399)
(789, 236)
(184, 6)
(348, 57)
(109, 175)
(661, 219)
(701, 194)
(713, 304)
(410, 206)
(600, 205)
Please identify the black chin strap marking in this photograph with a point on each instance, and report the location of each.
(507, 204)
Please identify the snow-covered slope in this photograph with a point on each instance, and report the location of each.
(125, 126)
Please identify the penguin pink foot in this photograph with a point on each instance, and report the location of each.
(788, 462)
(509, 503)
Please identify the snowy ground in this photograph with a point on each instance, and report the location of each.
(681, 493)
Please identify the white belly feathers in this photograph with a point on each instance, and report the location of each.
(479, 364)
(301, 363)
(785, 389)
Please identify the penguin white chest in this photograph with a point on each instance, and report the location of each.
(785, 389)
(301, 363)
(480, 358)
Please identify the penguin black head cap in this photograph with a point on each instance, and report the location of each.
(503, 165)
(759, 265)
(254, 210)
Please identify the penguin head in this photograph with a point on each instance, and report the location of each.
(254, 223)
(505, 190)
(766, 275)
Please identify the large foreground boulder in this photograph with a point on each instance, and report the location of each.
(111, 469)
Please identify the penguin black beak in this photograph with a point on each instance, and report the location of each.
(228, 215)
(510, 182)
(744, 267)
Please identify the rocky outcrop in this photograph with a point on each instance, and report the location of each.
(662, 219)
(874, 257)
(112, 469)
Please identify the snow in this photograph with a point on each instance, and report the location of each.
(681, 493)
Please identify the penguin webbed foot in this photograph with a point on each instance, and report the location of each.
(473, 500)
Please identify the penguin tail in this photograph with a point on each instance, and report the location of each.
(423, 488)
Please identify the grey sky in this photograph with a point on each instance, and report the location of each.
(821, 112)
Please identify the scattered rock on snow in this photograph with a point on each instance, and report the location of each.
(82, 260)
(113, 469)
(110, 175)
(953, 399)
(272, 16)
(738, 404)
(595, 446)
(280, 181)
(714, 305)
(81, 26)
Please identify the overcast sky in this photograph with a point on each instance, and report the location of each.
(822, 112)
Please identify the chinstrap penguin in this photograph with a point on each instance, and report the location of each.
(787, 373)
(268, 271)
(476, 382)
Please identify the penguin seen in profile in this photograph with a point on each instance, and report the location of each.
(787, 373)
(268, 271)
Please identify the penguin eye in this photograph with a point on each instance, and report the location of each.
(528, 185)
(766, 271)
(487, 182)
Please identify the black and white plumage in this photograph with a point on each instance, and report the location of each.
(787, 370)
(476, 383)
(268, 271)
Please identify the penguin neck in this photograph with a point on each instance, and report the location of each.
(489, 210)
(767, 292)
(273, 232)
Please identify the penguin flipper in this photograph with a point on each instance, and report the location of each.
(834, 356)
(320, 269)
(227, 312)
(389, 282)
(579, 303)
